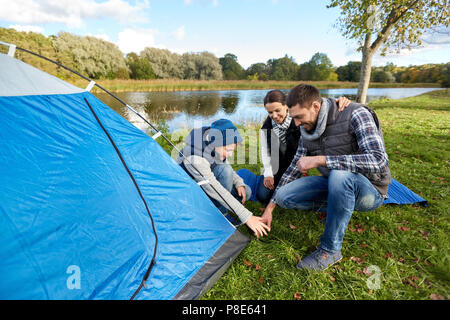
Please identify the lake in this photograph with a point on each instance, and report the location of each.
(183, 110)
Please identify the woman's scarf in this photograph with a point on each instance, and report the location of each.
(281, 129)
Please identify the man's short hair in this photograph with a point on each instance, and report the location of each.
(303, 95)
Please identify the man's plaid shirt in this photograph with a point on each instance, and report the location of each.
(372, 159)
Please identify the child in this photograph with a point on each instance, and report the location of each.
(204, 159)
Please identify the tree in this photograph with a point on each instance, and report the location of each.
(140, 68)
(387, 24)
(91, 56)
(318, 68)
(201, 66)
(321, 67)
(283, 68)
(350, 72)
(165, 64)
(38, 43)
(379, 75)
(260, 70)
(232, 70)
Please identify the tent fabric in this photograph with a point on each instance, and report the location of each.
(19, 79)
(72, 223)
(397, 193)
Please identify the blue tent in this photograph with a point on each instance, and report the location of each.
(90, 206)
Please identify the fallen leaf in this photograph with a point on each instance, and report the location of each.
(292, 227)
(423, 232)
(261, 279)
(401, 259)
(388, 255)
(332, 279)
(367, 272)
(411, 283)
(257, 267)
(248, 263)
(402, 228)
(364, 245)
(414, 278)
(435, 296)
(356, 259)
(269, 256)
(297, 296)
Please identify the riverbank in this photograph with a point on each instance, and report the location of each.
(405, 248)
(198, 85)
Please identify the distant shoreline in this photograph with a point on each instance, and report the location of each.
(162, 85)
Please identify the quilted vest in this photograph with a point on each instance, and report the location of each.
(338, 139)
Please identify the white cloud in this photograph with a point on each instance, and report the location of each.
(27, 28)
(135, 40)
(179, 33)
(69, 12)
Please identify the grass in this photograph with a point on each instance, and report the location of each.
(197, 85)
(408, 244)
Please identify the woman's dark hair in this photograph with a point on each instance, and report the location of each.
(303, 95)
(275, 96)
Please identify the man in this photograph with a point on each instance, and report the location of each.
(348, 149)
(204, 158)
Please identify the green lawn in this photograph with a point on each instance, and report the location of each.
(408, 244)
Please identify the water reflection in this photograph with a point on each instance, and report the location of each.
(188, 109)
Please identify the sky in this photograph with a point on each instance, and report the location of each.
(253, 30)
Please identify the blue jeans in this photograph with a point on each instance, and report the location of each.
(263, 194)
(339, 194)
(224, 175)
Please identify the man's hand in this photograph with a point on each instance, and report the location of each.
(267, 215)
(307, 163)
(342, 103)
(241, 192)
(269, 183)
(258, 227)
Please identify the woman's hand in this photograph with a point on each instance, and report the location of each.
(258, 227)
(342, 103)
(269, 183)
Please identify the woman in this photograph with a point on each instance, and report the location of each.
(279, 140)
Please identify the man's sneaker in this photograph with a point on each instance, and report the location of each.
(320, 260)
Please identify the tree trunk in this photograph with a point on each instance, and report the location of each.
(366, 68)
